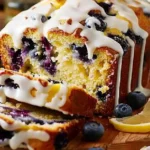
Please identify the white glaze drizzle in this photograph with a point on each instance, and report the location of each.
(96, 38)
(10, 127)
(26, 19)
(140, 87)
(24, 136)
(145, 5)
(128, 13)
(23, 93)
(132, 44)
(117, 93)
(59, 99)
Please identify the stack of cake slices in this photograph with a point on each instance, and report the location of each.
(64, 61)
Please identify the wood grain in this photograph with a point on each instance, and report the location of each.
(112, 140)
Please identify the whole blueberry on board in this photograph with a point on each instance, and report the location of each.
(136, 99)
(122, 110)
(93, 131)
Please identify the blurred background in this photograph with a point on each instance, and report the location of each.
(10, 8)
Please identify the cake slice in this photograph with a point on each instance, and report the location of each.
(45, 93)
(32, 128)
(99, 48)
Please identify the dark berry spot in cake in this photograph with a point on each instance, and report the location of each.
(123, 42)
(28, 43)
(101, 26)
(101, 96)
(46, 44)
(17, 61)
(81, 52)
(49, 66)
(54, 81)
(5, 134)
(138, 39)
(49, 17)
(61, 140)
(10, 83)
(107, 7)
(44, 19)
(94, 56)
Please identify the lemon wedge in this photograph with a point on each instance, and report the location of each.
(139, 123)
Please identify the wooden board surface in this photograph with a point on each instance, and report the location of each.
(112, 140)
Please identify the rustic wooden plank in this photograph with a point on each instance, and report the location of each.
(121, 137)
(128, 146)
(136, 137)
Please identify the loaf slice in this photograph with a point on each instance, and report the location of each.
(23, 126)
(45, 93)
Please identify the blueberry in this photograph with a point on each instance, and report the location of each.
(44, 19)
(96, 148)
(5, 134)
(138, 39)
(10, 83)
(28, 43)
(101, 96)
(122, 110)
(106, 7)
(136, 99)
(82, 52)
(46, 44)
(123, 42)
(17, 60)
(93, 131)
(49, 66)
(54, 81)
(98, 27)
(61, 140)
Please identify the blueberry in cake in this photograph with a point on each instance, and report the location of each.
(99, 48)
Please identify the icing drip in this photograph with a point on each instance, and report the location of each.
(98, 39)
(140, 87)
(132, 44)
(145, 5)
(118, 80)
(24, 136)
(32, 92)
(128, 13)
(59, 99)
(27, 19)
(10, 127)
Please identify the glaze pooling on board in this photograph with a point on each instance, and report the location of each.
(32, 91)
(77, 13)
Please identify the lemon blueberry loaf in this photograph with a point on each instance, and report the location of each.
(96, 45)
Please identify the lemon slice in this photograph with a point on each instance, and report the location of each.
(138, 123)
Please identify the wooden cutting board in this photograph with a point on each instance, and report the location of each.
(112, 140)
